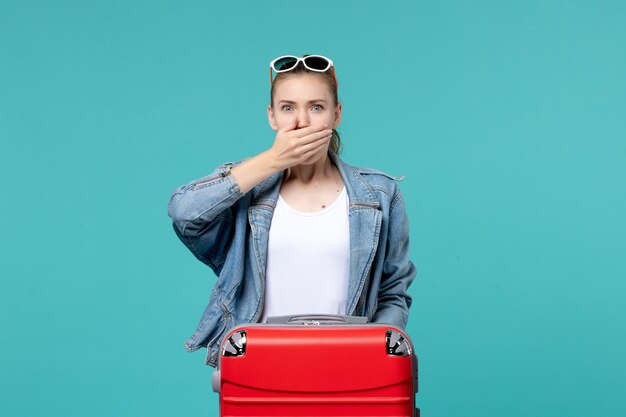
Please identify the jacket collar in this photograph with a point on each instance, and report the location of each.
(359, 192)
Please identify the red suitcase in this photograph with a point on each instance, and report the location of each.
(316, 366)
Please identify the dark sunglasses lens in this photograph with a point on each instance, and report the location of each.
(316, 63)
(285, 64)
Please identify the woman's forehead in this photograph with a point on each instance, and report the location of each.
(302, 87)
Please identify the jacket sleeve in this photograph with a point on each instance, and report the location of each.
(398, 271)
(202, 216)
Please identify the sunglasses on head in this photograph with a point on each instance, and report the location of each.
(317, 63)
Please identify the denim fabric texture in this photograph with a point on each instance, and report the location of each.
(228, 231)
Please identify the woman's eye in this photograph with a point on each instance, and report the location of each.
(286, 107)
(316, 107)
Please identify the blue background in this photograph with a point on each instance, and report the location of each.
(507, 118)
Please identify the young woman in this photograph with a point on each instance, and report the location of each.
(296, 230)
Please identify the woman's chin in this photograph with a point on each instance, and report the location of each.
(313, 159)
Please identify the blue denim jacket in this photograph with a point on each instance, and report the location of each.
(228, 231)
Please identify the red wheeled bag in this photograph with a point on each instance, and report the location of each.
(316, 366)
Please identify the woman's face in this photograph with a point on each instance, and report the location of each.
(307, 99)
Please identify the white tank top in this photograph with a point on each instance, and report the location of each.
(308, 260)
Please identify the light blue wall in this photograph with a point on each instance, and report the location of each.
(507, 117)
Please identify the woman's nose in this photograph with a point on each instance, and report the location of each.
(303, 120)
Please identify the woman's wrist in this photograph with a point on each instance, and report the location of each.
(251, 172)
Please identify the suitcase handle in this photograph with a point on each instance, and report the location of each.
(316, 319)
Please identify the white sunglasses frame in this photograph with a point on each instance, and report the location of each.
(301, 59)
(298, 60)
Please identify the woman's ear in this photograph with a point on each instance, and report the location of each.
(270, 118)
(337, 116)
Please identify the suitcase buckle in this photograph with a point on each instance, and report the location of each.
(397, 344)
(235, 345)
